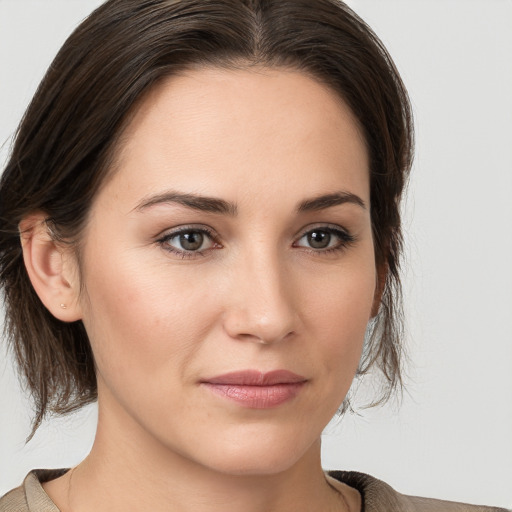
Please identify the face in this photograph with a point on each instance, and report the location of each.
(228, 268)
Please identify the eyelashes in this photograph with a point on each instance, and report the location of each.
(198, 241)
(189, 242)
(326, 239)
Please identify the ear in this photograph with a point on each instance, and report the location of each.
(382, 274)
(51, 267)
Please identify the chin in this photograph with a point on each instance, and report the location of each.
(259, 466)
(259, 458)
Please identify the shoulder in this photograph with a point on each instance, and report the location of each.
(14, 501)
(380, 497)
(30, 496)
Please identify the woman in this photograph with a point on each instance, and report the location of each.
(206, 195)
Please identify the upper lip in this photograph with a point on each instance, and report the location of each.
(256, 378)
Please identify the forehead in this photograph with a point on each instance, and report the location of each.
(225, 131)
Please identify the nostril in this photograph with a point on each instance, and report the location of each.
(264, 335)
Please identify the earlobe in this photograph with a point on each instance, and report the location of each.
(380, 285)
(51, 268)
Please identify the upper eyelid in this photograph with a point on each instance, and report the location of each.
(326, 226)
(346, 238)
(164, 238)
(170, 232)
(211, 232)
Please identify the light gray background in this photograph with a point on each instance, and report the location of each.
(452, 436)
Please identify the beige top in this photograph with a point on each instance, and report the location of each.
(376, 496)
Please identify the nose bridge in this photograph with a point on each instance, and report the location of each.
(263, 308)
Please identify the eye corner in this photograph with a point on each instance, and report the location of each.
(325, 243)
(196, 249)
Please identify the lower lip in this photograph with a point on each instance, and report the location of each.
(257, 397)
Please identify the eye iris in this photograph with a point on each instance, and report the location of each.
(191, 241)
(319, 239)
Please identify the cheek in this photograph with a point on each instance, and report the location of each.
(338, 310)
(140, 322)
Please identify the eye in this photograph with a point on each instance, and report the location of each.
(188, 241)
(325, 238)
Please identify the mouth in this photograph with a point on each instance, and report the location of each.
(257, 390)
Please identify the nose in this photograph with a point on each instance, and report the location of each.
(262, 304)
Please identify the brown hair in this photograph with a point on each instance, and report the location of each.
(66, 141)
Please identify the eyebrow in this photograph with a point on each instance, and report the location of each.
(221, 206)
(329, 200)
(194, 201)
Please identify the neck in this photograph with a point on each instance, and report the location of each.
(130, 470)
(137, 481)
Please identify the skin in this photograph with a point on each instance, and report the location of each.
(256, 296)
